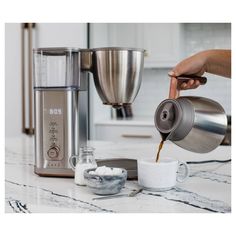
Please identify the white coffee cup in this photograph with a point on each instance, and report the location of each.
(161, 176)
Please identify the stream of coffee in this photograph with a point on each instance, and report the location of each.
(159, 149)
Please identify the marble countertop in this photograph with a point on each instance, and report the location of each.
(208, 189)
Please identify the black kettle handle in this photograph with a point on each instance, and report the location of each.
(186, 78)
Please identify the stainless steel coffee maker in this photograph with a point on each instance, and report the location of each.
(61, 99)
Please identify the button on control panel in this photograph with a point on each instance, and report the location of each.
(53, 152)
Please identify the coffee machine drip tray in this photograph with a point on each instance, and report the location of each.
(129, 164)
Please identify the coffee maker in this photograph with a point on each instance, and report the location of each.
(61, 97)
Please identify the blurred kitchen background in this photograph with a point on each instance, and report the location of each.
(165, 44)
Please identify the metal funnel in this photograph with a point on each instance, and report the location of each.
(117, 73)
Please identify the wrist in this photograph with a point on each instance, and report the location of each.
(205, 57)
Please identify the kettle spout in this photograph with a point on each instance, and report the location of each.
(165, 136)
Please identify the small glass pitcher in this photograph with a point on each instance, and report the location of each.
(84, 161)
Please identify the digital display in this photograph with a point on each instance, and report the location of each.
(55, 111)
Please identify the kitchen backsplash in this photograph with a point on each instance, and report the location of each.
(197, 37)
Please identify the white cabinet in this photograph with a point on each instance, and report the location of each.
(13, 106)
(163, 44)
(141, 131)
(162, 41)
(124, 35)
(61, 35)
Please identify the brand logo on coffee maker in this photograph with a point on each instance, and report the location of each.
(55, 111)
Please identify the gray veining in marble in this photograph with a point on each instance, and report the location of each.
(193, 199)
(53, 199)
(213, 176)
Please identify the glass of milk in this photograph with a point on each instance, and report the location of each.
(80, 163)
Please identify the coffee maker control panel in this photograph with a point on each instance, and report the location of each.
(53, 128)
(54, 135)
(54, 150)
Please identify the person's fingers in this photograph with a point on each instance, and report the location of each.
(171, 73)
(196, 84)
(183, 85)
(173, 92)
(174, 72)
(190, 82)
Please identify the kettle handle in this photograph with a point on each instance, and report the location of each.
(186, 78)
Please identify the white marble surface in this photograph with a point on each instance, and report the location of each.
(208, 188)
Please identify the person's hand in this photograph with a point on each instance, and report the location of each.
(216, 61)
(176, 86)
(194, 65)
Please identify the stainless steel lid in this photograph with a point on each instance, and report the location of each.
(174, 118)
(61, 50)
(168, 115)
(55, 50)
(117, 49)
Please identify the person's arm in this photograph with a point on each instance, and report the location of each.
(216, 62)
